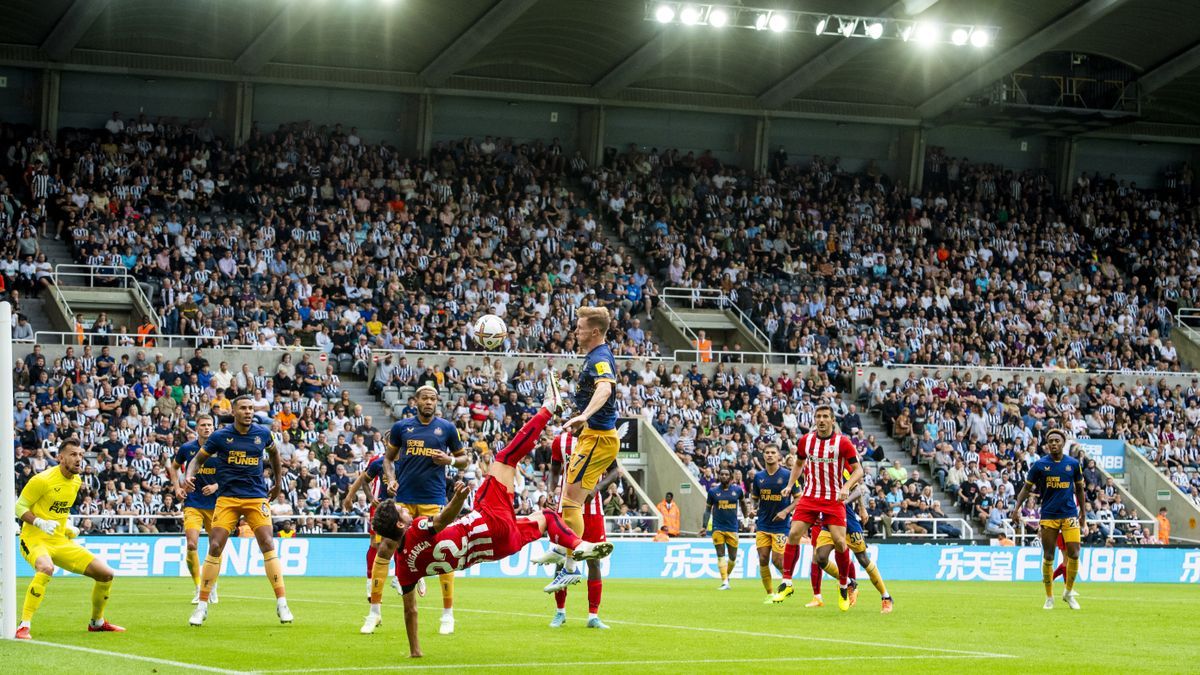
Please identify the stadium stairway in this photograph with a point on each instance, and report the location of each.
(57, 252)
(873, 425)
(359, 393)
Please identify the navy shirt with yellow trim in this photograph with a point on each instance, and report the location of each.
(1055, 481)
(205, 476)
(724, 504)
(771, 492)
(422, 481)
(240, 459)
(599, 366)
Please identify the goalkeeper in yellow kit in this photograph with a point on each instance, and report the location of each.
(46, 538)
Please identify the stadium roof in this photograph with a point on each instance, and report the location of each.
(606, 50)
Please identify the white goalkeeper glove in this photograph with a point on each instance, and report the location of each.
(47, 526)
(71, 531)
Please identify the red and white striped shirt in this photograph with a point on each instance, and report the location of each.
(826, 457)
(561, 449)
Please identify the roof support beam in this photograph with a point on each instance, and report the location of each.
(474, 39)
(1176, 67)
(835, 56)
(659, 47)
(71, 28)
(1048, 37)
(286, 24)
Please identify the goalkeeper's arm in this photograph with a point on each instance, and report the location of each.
(33, 491)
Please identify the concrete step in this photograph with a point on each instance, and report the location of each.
(34, 309)
(380, 414)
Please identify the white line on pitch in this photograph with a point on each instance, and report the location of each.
(703, 629)
(658, 662)
(132, 657)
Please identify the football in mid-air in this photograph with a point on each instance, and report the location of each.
(490, 331)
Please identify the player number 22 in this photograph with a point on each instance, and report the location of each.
(444, 549)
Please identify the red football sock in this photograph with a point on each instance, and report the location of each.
(850, 572)
(370, 560)
(594, 590)
(791, 556)
(843, 562)
(558, 531)
(1061, 571)
(525, 439)
(560, 598)
(814, 576)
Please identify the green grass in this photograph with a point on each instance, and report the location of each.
(657, 626)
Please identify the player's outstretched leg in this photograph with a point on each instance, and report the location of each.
(791, 556)
(103, 576)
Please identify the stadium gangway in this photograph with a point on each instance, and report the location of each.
(964, 527)
(710, 298)
(1031, 537)
(91, 274)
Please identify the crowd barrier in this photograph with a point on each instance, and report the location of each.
(676, 559)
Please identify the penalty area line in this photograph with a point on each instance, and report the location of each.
(131, 657)
(723, 631)
(637, 662)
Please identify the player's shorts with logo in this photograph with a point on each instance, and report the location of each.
(255, 510)
(812, 510)
(594, 452)
(494, 503)
(197, 519)
(723, 537)
(63, 552)
(773, 539)
(1068, 528)
(854, 540)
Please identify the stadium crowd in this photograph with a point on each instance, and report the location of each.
(310, 235)
(985, 266)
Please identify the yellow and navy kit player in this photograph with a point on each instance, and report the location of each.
(773, 497)
(854, 531)
(1056, 482)
(598, 443)
(45, 542)
(725, 502)
(242, 490)
(198, 506)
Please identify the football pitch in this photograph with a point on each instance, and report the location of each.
(663, 626)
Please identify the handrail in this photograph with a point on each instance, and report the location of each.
(678, 321)
(967, 531)
(1027, 369)
(693, 295)
(51, 337)
(1020, 538)
(760, 358)
(93, 272)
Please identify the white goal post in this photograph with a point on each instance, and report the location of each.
(8, 497)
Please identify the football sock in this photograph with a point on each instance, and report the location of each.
(193, 565)
(830, 568)
(1060, 571)
(1048, 576)
(764, 572)
(100, 599)
(877, 579)
(379, 577)
(34, 595)
(208, 576)
(723, 565)
(595, 590)
(843, 564)
(561, 530)
(525, 440)
(274, 569)
(370, 561)
(1072, 570)
(814, 577)
(560, 599)
(791, 556)
(850, 573)
(447, 582)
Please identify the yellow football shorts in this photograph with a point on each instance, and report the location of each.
(854, 540)
(728, 538)
(593, 454)
(63, 552)
(197, 519)
(1067, 527)
(775, 541)
(229, 509)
